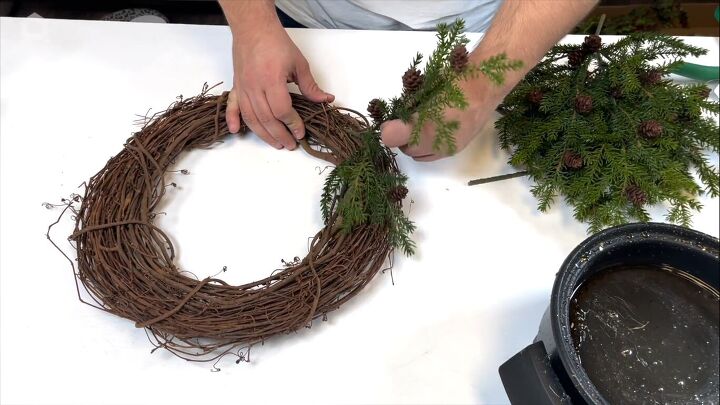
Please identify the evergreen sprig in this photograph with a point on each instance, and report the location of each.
(440, 87)
(361, 191)
(636, 146)
(361, 185)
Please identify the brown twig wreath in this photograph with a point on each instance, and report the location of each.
(127, 263)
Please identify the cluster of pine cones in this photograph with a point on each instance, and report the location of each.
(573, 161)
(413, 79)
(592, 44)
(649, 129)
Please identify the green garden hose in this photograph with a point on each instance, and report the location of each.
(700, 72)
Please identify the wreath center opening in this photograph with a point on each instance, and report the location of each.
(241, 207)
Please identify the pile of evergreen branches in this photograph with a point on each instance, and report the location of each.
(603, 126)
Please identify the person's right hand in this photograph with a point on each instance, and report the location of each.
(265, 59)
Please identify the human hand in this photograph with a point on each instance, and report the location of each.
(265, 59)
(481, 105)
(522, 31)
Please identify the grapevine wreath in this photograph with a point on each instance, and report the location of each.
(127, 263)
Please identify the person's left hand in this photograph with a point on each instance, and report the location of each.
(481, 105)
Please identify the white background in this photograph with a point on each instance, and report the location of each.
(470, 298)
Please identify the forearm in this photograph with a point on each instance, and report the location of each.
(525, 30)
(247, 18)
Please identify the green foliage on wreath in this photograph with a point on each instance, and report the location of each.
(608, 131)
(366, 193)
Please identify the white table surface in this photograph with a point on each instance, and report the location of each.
(471, 298)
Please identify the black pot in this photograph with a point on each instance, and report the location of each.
(550, 371)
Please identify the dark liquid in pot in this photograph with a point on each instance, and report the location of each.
(648, 335)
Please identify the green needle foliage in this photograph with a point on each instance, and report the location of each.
(361, 190)
(365, 189)
(608, 132)
(436, 88)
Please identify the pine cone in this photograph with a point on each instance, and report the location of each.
(616, 93)
(703, 93)
(412, 80)
(375, 110)
(635, 195)
(650, 129)
(650, 77)
(583, 104)
(592, 44)
(576, 58)
(572, 160)
(535, 96)
(686, 116)
(397, 193)
(459, 58)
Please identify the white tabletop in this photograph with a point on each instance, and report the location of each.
(470, 299)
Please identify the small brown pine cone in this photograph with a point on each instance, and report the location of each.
(397, 193)
(635, 195)
(592, 44)
(583, 104)
(650, 77)
(412, 80)
(650, 129)
(704, 93)
(572, 160)
(616, 93)
(686, 116)
(375, 110)
(576, 58)
(459, 58)
(535, 96)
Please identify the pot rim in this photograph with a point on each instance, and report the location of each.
(574, 268)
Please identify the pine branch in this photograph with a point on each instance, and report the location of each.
(357, 190)
(632, 141)
(439, 88)
(361, 189)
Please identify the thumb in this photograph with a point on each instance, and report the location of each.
(308, 86)
(395, 133)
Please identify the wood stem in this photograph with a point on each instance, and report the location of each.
(498, 178)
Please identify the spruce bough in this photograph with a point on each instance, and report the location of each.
(427, 94)
(606, 130)
(367, 195)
